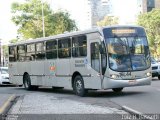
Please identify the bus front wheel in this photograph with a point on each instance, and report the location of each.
(79, 86)
(117, 89)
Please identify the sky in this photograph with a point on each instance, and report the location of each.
(8, 29)
(125, 10)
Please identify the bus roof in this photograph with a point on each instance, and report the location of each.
(68, 34)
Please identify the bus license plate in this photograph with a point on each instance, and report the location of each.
(132, 82)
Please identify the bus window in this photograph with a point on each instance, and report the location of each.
(51, 49)
(95, 63)
(79, 46)
(64, 48)
(40, 51)
(30, 54)
(21, 52)
(12, 54)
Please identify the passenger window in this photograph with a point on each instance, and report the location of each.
(64, 48)
(51, 49)
(21, 52)
(30, 54)
(40, 51)
(12, 54)
(95, 63)
(79, 46)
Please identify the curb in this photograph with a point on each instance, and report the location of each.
(137, 113)
(6, 106)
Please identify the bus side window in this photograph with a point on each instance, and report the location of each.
(12, 54)
(21, 52)
(79, 46)
(64, 48)
(30, 54)
(40, 51)
(51, 49)
(95, 63)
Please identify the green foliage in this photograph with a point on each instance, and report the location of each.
(108, 20)
(151, 22)
(28, 17)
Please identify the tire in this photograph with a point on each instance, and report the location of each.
(27, 82)
(158, 77)
(20, 85)
(79, 86)
(117, 90)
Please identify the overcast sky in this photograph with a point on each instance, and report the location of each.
(8, 30)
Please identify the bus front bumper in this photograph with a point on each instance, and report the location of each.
(113, 83)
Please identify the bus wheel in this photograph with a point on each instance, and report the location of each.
(158, 77)
(27, 82)
(117, 89)
(79, 86)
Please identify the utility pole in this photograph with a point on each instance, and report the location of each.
(43, 27)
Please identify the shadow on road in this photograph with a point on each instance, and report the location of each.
(91, 93)
(8, 85)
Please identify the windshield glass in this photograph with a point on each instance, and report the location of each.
(153, 61)
(128, 53)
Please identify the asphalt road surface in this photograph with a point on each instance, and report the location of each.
(143, 99)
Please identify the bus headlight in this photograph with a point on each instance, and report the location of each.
(113, 76)
(148, 74)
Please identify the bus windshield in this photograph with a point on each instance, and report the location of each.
(128, 53)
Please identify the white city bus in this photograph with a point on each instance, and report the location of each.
(111, 57)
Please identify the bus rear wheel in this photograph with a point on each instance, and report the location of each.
(158, 77)
(117, 89)
(27, 83)
(79, 86)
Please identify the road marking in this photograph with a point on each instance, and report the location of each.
(131, 110)
(5, 105)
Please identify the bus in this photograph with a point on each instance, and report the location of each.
(111, 57)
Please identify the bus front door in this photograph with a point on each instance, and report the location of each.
(95, 58)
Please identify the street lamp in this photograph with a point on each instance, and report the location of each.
(43, 20)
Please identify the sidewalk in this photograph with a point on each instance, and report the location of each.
(5, 102)
(35, 103)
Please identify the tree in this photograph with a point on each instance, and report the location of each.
(151, 22)
(108, 20)
(28, 17)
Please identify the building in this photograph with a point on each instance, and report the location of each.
(126, 10)
(148, 5)
(98, 10)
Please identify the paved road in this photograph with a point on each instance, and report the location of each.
(145, 99)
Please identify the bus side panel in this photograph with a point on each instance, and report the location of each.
(63, 73)
(28, 69)
(13, 74)
(37, 70)
(50, 69)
